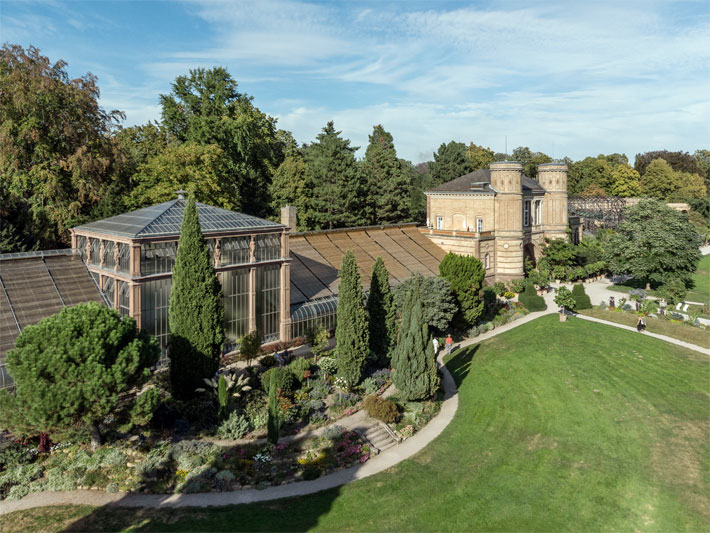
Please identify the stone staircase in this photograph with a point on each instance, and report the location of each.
(379, 436)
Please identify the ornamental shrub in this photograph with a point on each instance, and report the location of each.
(298, 367)
(381, 409)
(283, 379)
(581, 299)
(196, 314)
(328, 365)
(530, 299)
(517, 285)
(70, 370)
(235, 427)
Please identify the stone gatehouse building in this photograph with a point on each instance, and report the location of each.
(500, 215)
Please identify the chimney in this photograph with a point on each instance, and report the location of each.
(288, 217)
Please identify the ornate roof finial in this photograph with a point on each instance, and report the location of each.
(181, 194)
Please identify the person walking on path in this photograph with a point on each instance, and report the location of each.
(435, 342)
(643, 324)
(638, 324)
(449, 344)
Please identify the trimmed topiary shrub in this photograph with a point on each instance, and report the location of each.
(381, 409)
(283, 376)
(580, 297)
(530, 299)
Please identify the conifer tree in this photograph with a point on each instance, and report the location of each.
(196, 314)
(335, 178)
(351, 333)
(450, 162)
(388, 186)
(413, 360)
(465, 274)
(381, 312)
(273, 422)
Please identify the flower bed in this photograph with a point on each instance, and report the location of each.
(183, 467)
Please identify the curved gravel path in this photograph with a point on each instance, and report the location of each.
(377, 464)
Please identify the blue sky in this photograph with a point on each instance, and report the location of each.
(566, 78)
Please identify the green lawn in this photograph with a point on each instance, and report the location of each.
(699, 293)
(561, 426)
(680, 331)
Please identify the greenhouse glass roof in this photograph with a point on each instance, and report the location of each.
(165, 219)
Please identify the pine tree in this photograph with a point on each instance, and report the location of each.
(335, 177)
(413, 361)
(196, 314)
(388, 187)
(381, 312)
(351, 333)
(72, 368)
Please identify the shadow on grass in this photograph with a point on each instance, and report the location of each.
(459, 363)
(286, 514)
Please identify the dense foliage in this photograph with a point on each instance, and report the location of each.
(206, 108)
(57, 157)
(196, 313)
(352, 337)
(581, 299)
(465, 274)
(438, 303)
(530, 299)
(414, 362)
(70, 370)
(381, 311)
(654, 243)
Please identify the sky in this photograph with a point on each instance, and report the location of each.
(566, 78)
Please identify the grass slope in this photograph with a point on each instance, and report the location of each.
(560, 426)
(680, 331)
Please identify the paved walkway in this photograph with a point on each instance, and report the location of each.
(377, 464)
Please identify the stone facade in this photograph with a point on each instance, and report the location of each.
(499, 215)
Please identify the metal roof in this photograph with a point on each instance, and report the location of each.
(482, 178)
(165, 219)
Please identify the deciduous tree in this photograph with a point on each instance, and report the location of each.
(654, 243)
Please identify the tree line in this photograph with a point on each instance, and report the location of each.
(64, 160)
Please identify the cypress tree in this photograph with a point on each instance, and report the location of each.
(352, 343)
(273, 425)
(381, 312)
(465, 274)
(196, 313)
(413, 361)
